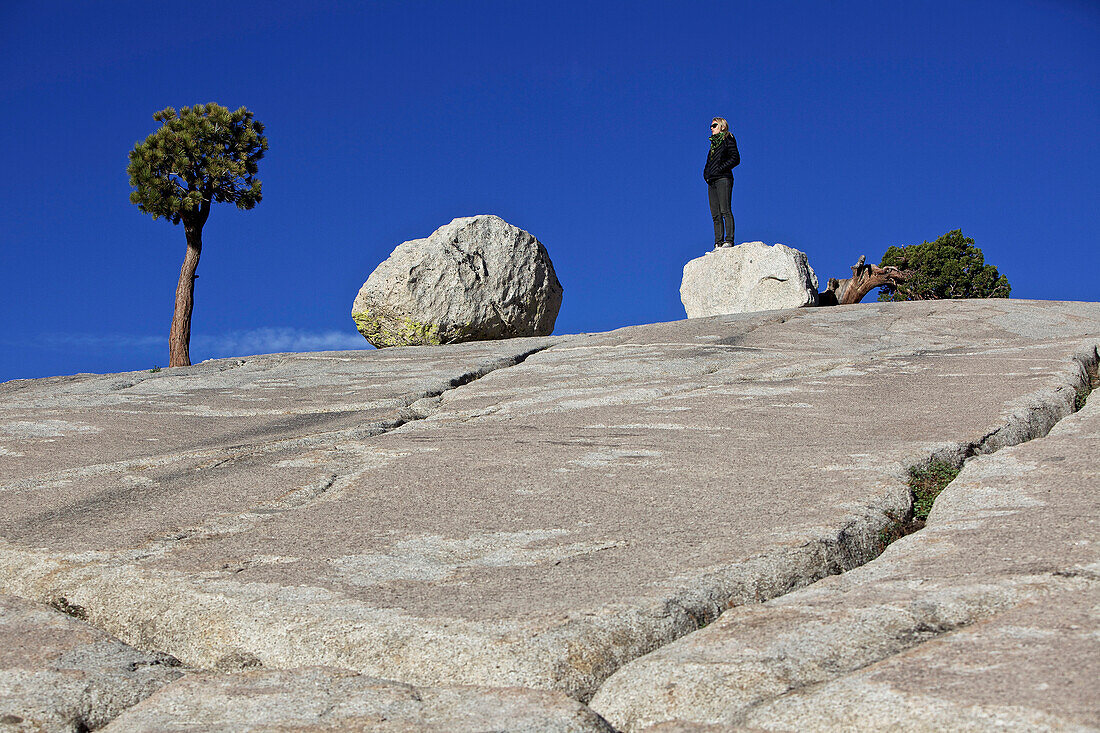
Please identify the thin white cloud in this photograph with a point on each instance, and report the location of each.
(213, 346)
(274, 340)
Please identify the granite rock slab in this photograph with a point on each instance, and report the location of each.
(57, 673)
(186, 450)
(87, 420)
(987, 619)
(542, 523)
(323, 699)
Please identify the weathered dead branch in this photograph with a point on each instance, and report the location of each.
(864, 279)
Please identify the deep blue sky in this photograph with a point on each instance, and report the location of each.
(860, 124)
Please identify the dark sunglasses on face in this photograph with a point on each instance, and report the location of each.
(714, 125)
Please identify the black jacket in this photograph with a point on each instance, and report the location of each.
(721, 161)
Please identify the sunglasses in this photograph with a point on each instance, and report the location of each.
(714, 125)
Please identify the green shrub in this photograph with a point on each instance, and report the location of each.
(950, 267)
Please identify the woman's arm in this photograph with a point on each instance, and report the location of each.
(733, 158)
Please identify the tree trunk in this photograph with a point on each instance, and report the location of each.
(864, 279)
(179, 338)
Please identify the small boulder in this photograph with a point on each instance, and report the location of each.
(475, 279)
(750, 277)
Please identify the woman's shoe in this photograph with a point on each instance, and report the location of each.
(727, 244)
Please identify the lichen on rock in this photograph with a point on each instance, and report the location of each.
(382, 332)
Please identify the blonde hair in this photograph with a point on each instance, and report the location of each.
(723, 126)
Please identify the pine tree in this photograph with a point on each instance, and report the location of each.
(203, 154)
(950, 267)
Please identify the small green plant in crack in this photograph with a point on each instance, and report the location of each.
(925, 484)
(701, 618)
(1082, 397)
(891, 533)
(155, 369)
(1091, 382)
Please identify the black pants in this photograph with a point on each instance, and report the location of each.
(721, 193)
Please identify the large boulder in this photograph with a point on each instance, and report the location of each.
(475, 279)
(749, 277)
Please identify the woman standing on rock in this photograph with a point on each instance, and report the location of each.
(718, 173)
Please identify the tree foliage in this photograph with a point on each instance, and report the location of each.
(203, 154)
(950, 267)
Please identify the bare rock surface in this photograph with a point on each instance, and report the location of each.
(115, 435)
(750, 277)
(324, 699)
(521, 513)
(987, 619)
(475, 279)
(57, 673)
